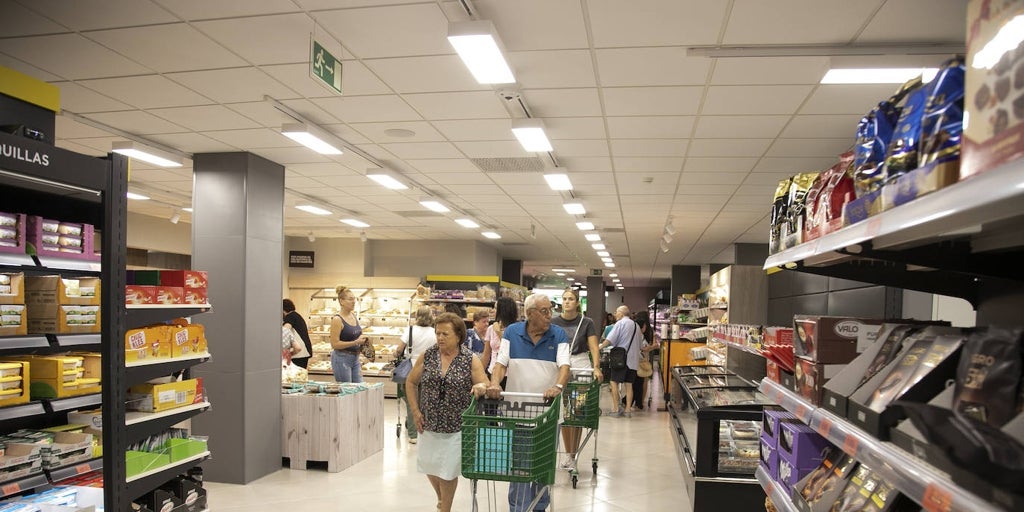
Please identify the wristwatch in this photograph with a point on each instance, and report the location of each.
(559, 386)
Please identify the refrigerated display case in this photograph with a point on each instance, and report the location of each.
(716, 424)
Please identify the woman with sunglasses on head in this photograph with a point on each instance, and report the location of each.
(346, 339)
(439, 388)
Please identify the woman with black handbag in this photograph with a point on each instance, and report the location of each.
(419, 338)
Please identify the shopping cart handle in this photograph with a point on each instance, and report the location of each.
(525, 395)
(585, 369)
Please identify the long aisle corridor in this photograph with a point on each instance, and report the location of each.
(637, 470)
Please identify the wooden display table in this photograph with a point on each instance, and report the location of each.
(340, 430)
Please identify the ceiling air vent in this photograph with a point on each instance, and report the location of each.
(509, 164)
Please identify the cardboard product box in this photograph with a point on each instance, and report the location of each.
(771, 370)
(160, 500)
(832, 339)
(145, 343)
(14, 394)
(188, 279)
(802, 445)
(918, 374)
(13, 320)
(865, 206)
(994, 98)
(816, 492)
(809, 378)
(170, 295)
(67, 448)
(787, 379)
(790, 473)
(140, 462)
(20, 460)
(83, 291)
(160, 397)
(769, 458)
(146, 277)
(12, 232)
(195, 296)
(61, 239)
(186, 490)
(93, 418)
(770, 422)
(12, 288)
(920, 182)
(58, 319)
(187, 340)
(139, 294)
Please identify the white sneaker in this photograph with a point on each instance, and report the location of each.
(412, 440)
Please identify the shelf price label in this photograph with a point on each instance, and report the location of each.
(83, 468)
(825, 428)
(10, 489)
(937, 499)
(801, 412)
(778, 397)
(850, 445)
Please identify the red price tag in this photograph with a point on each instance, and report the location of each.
(82, 468)
(801, 412)
(770, 487)
(850, 445)
(825, 428)
(778, 397)
(936, 499)
(10, 489)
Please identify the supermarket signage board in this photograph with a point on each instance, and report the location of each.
(300, 259)
(597, 272)
(324, 67)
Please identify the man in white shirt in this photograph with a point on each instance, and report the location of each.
(625, 334)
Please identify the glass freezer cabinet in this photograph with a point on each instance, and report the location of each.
(716, 432)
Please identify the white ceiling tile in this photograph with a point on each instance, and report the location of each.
(711, 178)
(67, 128)
(907, 21)
(389, 31)
(202, 9)
(702, 199)
(478, 178)
(536, 24)
(646, 101)
(81, 100)
(27, 69)
(551, 69)
(794, 23)
(467, 190)
(261, 112)
(653, 148)
(289, 44)
(766, 178)
(423, 150)
(20, 21)
(148, 91)
(477, 129)
(581, 147)
(739, 127)
(252, 138)
(81, 15)
(423, 132)
(315, 170)
(769, 70)
(728, 147)
(809, 147)
(644, 164)
(793, 165)
(191, 142)
(754, 99)
(589, 165)
(457, 105)
(311, 111)
(655, 23)
(98, 143)
(356, 80)
(654, 127)
(493, 149)
(209, 117)
(285, 156)
(546, 103)
(512, 178)
(653, 183)
(346, 133)
(763, 191)
(847, 99)
(650, 66)
(70, 56)
(719, 164)
(712, 189)
(247, 84)
(561, 128)
(78, 148)
(831, 126)
(429, 165)
(368, 109)
(434, 73)
(137, 122)
(191, 50)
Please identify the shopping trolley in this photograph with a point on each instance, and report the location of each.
(510, 441)
(581, 407)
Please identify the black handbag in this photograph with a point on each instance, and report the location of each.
(617, 355)
(404, 366)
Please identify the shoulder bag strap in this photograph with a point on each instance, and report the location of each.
(631, 337)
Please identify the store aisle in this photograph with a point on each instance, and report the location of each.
(638, 470)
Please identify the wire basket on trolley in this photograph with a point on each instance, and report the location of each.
(509, 441)
(581, 401)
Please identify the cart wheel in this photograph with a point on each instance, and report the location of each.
(594, 466)
(574, 480)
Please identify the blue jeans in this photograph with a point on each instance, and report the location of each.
(410, 425)
(521, 494)
(345, 366)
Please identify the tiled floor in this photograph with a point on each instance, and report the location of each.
(637, 470)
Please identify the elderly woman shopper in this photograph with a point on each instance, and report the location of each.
(439, 389)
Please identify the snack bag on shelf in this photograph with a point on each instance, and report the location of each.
(943, 121)
(780, 207)
(838, 192)
(796, 202)
(812, 223)
(874, 133)
(905, 145)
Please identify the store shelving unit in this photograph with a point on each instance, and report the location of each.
(472, 287)
(913, 477)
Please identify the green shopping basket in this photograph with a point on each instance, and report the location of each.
(581, 401)
(510, 441)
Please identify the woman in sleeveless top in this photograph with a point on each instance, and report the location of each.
(346, 339)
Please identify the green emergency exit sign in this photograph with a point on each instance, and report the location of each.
(325, 67)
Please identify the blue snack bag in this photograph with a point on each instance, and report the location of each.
(874, 133)
(943, 121)
(903, 149)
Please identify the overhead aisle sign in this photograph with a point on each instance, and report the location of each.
(325, 67)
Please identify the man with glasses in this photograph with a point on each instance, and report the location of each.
(535, 355)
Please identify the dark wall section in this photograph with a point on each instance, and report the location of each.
(791, 293)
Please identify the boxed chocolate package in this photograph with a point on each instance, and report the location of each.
(989, 376)
(790, 473)
(769, 458)
(771, 421)
(817, 491)
(802, 445)
(809, 378)
(832, 339)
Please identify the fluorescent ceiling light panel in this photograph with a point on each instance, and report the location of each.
(585, 226)
(609, 265)
(569, 270)
(574, 208)
(491, 234)
(310, 137)
(616, 280)
(560, 274)
(530, 133)
(355, 223)
(137, 197)
(607, 260)
(434, 206)
(476, 42)
(315, 210)
(570, 279)
(467, 223)
(1008, 38)
(593, 237)
(138, 151)
(598, 247)
(386, 180)
(613, 275)
(876, 75)
(558, 181)
(603, 254)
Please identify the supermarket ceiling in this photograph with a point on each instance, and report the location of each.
(646, 129)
